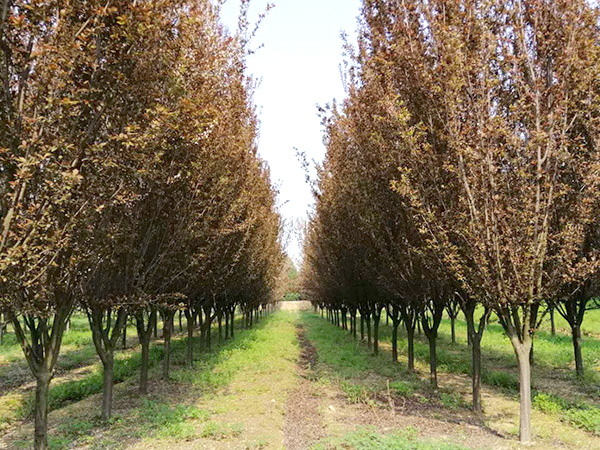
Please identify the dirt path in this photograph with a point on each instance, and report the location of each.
(303, 417)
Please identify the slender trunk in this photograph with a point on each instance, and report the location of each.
(524, 393)
(155, 326)
(108, 367)
(189, 354)
(41, 411)
(410, 340)
(476, 373)
(144, 367)
(475, 336)
(220, 328)
(124, 336)
(180, 324)
(576, 333)
(452, 327)
(376, 318)
(395, 324)
(226, 324)
(354, 324)
(552, 323)
(362, 327)
(368, 320)
(433, 361)
(167, 332)
(232, 322)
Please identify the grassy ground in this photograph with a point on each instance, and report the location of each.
(565, 407)
(295, 381)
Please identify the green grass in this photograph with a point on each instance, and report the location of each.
(370, 439)
(178, 417)
(18, 405)
(351, 364)
(580, 415)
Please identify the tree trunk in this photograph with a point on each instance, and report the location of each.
(475, 336)
(376, 318)
(410, 339)
(220, 319)
(576, 333)
(476, 373)
(453, 330)
(144, 367)
(395, 341)
(108, 367)
(42, 387)
(189, 353)
(524, 393)
(433, 361)
(368, 320)
(232, 321)
(362, 327)
(124, 336)
(167, 332)
(552, 323)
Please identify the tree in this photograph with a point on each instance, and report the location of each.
(502, 94)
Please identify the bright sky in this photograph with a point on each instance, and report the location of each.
(298, 68)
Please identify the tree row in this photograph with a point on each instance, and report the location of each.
(130, 184)
(462, 173)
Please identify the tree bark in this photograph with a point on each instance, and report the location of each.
(453, 330)
(108, 367)
(395, 341)
(145, 344)
(408, 315)
(168, 326)
(40, 441)
(189, 347)
(376, 319)
(433, 361)
(475, 336)
(576, 333)
(524, 393)
(552, 323)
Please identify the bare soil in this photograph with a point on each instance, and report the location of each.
(303, 416)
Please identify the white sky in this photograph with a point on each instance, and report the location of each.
(298, 68)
